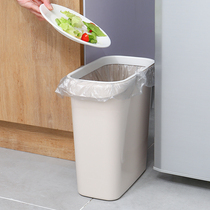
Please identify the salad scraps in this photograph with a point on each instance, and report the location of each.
(74, 25)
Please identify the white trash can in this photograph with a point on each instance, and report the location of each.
(110, 109)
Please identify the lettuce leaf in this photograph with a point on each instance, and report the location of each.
(68, 24)
(77, 22)
(68, 14)
(67, 28)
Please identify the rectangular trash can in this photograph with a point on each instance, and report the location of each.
(110, 123)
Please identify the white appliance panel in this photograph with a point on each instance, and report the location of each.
(182, 101)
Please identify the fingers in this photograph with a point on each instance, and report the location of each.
(34, 8)
(38, 15)
(47, 4)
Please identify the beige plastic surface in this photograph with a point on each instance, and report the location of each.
(110, 144)
(110, 111)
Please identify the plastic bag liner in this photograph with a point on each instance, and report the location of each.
(118, 77)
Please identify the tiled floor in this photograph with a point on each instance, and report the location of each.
(35, 182)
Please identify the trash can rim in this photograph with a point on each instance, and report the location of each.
(110, 60)
(106, 60)
(111, 82)
(75, 84)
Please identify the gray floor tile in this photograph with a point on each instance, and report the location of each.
(40, 180)
(159, 191)
(14, 205)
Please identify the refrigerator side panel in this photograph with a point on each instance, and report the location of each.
(182, 119)
(158, 78)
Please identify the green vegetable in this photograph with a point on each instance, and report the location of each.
(92, 38)
(63, 20)
(68, 14)
(75, 20)
(93, 41)
(68, 28)
(78, 34)
(73, 25)
(68, 24)
(57, 21)
(94, 28)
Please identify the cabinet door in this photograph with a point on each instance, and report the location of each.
(33, 59)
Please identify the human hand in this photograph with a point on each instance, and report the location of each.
(33, 6)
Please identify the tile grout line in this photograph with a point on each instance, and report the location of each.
(86, 204)
(22, 202)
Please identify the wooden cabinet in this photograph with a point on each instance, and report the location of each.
(33, 59)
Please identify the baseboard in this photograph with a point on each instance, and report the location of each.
(38, 140)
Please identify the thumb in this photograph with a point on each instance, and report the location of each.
(47, 4)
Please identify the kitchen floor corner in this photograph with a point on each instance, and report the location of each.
(35, 182)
